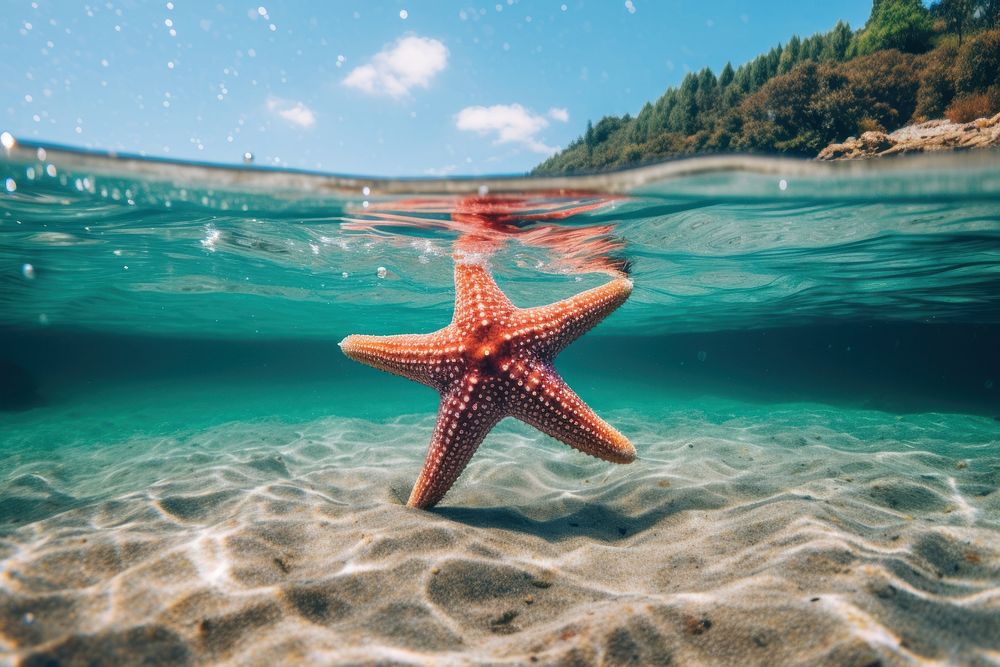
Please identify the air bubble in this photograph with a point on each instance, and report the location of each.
(381, 272)
(28, 271)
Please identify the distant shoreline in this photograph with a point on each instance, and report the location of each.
(933, 135)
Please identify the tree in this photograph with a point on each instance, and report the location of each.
(905, 25)
(987, 13)
(837, 42)
(726, 76)
(685, 114)
(588, 138)
(790, 55)
(958, 14)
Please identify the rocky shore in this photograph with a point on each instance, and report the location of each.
(934, 135)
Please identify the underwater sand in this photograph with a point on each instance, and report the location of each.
(814, 536)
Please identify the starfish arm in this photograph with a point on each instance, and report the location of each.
(547, 330)
(413, 356)
(541, 398)
(479, 302)
(467, 413)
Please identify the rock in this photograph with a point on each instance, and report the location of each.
(934, 135)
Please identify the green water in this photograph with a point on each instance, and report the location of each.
(865, 286)
(166, 332)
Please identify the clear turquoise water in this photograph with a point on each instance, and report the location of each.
(863, 286)
(839, 316)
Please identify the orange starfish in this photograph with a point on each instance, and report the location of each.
(495, 360)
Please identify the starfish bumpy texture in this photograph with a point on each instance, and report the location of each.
(495, 360)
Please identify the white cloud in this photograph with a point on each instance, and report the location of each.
(440, 171)
(560, 114)
(295, 113)
(408, 63)
(510, 123)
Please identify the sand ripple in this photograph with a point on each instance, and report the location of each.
(731, 541)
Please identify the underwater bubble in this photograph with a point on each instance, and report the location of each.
(366, 191)
(248, 157)
(28, 271)
(381, 272)
(43, 318)
(782, 185)
(7, 140)
(50, 169)
(10, 184)
(988, 384)
(344, 274)
(702, 355)
(41, 154)
(484, 190)
(403, 14)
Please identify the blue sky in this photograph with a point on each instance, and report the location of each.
(381, 88)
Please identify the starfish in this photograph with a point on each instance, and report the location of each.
(495, 360)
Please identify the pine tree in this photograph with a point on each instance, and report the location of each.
(726, 76)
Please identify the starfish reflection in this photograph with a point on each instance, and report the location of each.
(487, 222)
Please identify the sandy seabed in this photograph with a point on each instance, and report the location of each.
(737, 541)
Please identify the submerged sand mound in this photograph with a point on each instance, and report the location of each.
(788, 540)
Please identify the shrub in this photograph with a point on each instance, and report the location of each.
(887, 81)
(970, 106)
(867, 124)
(978, 64)
(937, 82)
(813, 105)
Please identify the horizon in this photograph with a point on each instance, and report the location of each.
(491, 89)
